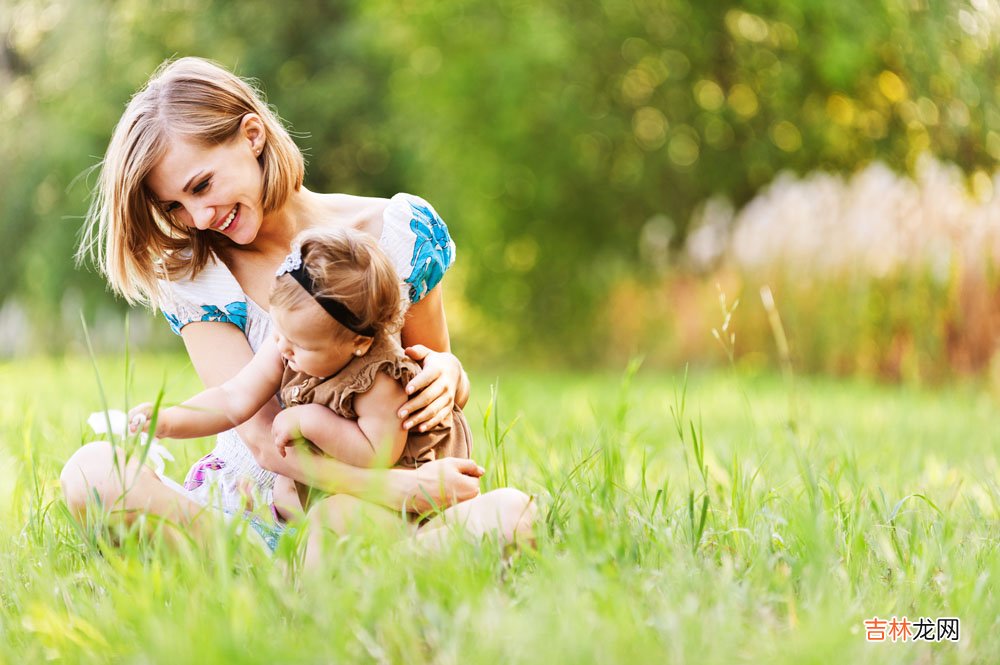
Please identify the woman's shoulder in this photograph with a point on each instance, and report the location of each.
(418, 242)
(364, 213)
(409, 230)
(211, 295)
(370, 213)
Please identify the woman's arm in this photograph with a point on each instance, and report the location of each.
(426, 323)
(442, 382)
(437, 484)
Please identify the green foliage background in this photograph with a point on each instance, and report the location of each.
(566, 144)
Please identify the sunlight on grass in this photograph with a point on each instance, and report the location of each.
(9, 473)
(676, 523)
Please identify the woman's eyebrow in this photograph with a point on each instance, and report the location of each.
(187, 186)
(193, 178)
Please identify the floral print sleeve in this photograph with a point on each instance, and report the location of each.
(417, 241)
(214, 295)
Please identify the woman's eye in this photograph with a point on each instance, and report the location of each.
(170, 207)
(201, 186)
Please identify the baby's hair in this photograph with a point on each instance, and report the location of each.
(130, 238)
(349, 266)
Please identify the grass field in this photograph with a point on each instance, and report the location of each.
(758, 522)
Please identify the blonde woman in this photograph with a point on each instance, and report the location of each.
(199, 197)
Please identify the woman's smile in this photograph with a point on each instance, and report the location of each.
(229, 220)
(227, 181)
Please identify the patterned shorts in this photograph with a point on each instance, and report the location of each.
(203, 486)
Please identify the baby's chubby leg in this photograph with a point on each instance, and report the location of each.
(342, 514)
(286, 499)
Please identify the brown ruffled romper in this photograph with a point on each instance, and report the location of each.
(358, 376)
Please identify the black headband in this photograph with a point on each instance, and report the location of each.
(338, 310)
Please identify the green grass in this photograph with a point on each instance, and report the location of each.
(712, 533)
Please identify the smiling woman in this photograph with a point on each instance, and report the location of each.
(223, 193)
(199, 197)
(177, 138)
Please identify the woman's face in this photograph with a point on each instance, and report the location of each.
(215, 188)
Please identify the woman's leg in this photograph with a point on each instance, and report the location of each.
(98, 476)
(506, 513)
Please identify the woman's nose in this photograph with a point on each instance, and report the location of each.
(203, 216)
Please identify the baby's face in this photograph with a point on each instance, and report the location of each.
(307, 338)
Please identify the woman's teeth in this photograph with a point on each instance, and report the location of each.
(229, 220)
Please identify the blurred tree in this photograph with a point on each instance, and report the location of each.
(554, 137)
(587, 128)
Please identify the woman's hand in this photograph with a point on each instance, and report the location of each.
(434, 391)
(438, 484)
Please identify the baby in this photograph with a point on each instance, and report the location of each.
(335, 362)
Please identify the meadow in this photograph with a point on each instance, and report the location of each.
(723, 516)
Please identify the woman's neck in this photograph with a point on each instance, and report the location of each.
(277, 230)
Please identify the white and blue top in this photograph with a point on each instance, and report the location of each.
(417, 243)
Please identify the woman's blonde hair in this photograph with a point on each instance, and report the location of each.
(347, 266)
(132, 241)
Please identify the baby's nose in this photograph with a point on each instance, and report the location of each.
(283, 347)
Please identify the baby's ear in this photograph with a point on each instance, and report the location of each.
(362, 344)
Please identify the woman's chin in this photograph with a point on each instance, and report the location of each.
(244, 228)
(245, 237)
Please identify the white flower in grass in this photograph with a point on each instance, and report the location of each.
(99, 421)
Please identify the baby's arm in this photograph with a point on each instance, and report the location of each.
(375, 438)
(220, 408)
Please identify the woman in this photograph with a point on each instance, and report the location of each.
(199, 197)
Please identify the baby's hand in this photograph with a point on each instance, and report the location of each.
(138, 418)
(285, 430)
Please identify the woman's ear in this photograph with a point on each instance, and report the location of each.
(253, 132)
